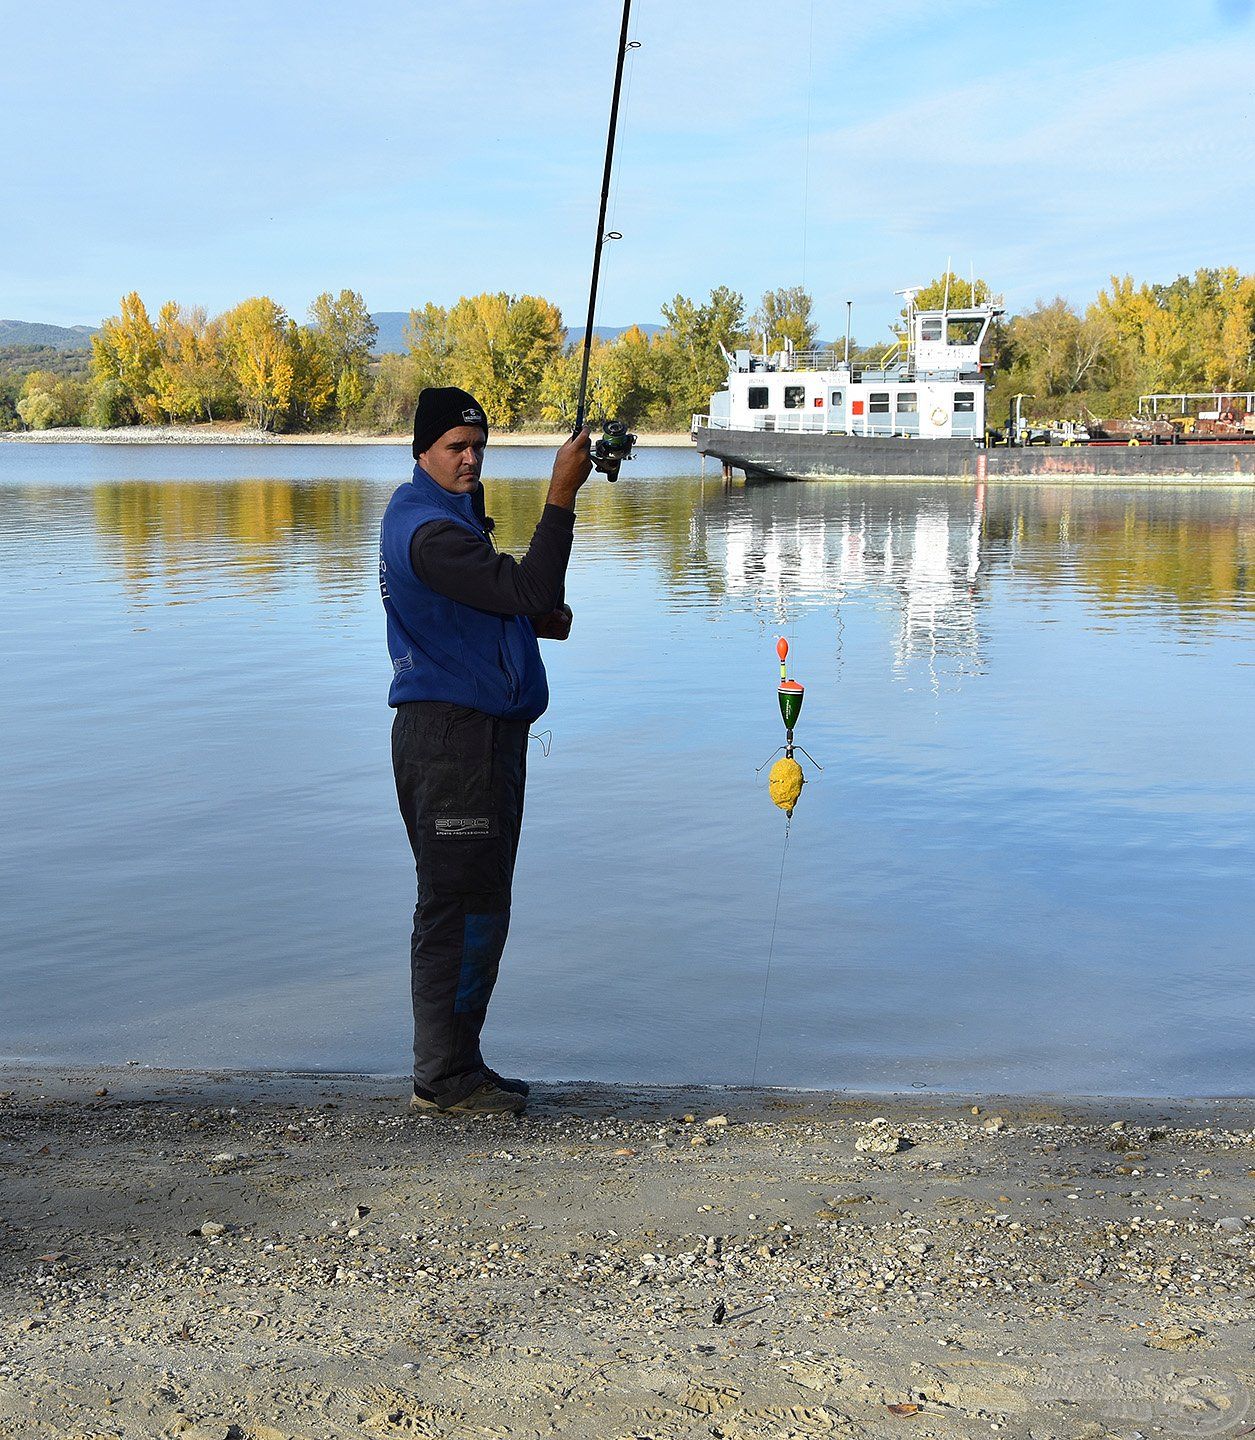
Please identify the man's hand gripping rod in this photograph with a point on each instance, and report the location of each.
(615, 444)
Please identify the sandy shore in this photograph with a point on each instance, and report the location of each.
(241, 435)
(257, 1257)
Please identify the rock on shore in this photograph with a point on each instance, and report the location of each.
(248, 1258)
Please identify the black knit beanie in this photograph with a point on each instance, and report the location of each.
(444, 408)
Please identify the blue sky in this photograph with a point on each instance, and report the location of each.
(417, 150)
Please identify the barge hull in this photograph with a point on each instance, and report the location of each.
(773, 455)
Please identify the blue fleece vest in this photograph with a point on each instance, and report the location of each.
(441, 649)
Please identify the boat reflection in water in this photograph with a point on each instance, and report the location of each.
(936, 551)
(922, 551)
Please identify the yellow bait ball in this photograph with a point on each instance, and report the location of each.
(785, 783)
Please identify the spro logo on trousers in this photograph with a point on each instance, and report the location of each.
(471, 828)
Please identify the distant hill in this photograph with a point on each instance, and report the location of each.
(607, 332)
(392, 324)
(391, 339)
(58, 337)
(20, 360)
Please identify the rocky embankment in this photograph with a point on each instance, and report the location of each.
(249, 1258)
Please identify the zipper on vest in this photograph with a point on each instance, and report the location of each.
(503, 659)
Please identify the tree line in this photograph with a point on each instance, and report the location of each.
(254, 363)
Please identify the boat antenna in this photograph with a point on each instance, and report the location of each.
(615, 442)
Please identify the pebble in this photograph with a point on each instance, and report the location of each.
(210, 1228)
(879, 1139)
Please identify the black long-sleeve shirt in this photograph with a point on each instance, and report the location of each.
(454, 561)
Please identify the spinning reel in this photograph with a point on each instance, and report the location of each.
(615, 443)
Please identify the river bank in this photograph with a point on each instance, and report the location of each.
(259, 1256)
(246, 435)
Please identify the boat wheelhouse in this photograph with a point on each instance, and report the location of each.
(930, 385)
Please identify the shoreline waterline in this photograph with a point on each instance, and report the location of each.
(183, 435)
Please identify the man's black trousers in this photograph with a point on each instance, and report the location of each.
(460, 776)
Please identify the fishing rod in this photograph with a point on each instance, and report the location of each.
(616, 440)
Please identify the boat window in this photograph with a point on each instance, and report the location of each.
(794, 397)
(962, 331)
(908, 402)
(878, 402)
(930, 330)
(758, 397)
(835, 398)
(965, 402)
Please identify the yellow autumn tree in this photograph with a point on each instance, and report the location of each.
(192, 381)
(126, 354)
(261, 356)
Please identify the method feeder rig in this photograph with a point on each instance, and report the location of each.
(785, 779)
(616, 440)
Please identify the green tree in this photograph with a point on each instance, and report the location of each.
(430, 345)
(350, 393)
(394, 393)
(952, 290)
(784, 316)
(313, 395)
(499, 348)
(560, 385)
(10, 391)
(347, 333)
(1056, 352)
(691, 361)
(49, 400)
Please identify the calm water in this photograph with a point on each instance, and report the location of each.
(1027, 864)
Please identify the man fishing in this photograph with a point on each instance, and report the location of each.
(468, 682)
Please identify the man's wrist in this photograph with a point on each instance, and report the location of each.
(561, 496)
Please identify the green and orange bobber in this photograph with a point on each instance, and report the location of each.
(785, 779)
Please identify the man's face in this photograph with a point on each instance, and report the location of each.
(455, 460)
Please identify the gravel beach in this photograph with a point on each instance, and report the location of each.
(256, 1257)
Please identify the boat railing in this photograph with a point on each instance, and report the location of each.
(878, 373)
(802, 422)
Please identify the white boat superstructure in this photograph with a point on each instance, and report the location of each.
(930, 385)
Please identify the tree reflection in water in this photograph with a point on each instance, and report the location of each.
(1186, 553)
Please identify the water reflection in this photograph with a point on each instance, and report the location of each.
(772, 547)
(923, 552)
(266, 530)
(202, 863)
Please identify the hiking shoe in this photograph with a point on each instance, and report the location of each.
(485, 1099)
(516, 1087)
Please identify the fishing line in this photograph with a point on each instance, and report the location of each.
(771, 950)
(603, 233)
(626, 126)
(775, 918)
(806, 172)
